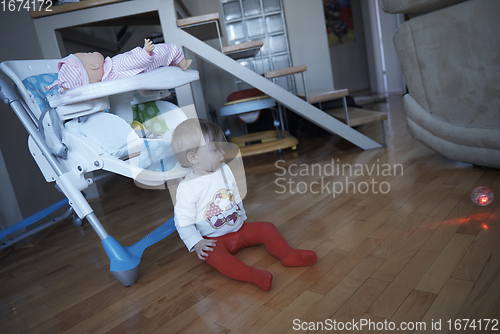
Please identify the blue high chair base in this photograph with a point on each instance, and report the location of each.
(124, 261)
(127, 277)
(35, 218)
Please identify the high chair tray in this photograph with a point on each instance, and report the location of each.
(159, 79)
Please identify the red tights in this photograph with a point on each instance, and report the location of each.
(251, 234)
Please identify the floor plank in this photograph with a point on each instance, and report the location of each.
(446, 305)
(481, 301)
(438, 273)
(413, 309)
(397, 291)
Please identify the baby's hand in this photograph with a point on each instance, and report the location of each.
(204, 245)
(148, 46)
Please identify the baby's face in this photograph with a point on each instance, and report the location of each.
(209, 157)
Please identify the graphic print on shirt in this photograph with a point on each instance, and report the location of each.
(222, 210)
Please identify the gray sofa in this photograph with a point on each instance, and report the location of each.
(450, 56)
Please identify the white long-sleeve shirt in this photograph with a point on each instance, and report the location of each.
(205, 207)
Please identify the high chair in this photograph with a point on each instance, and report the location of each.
(65, 149)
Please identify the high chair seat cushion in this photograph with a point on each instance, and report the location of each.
(35, 84)
(108, 131)
(149, 115)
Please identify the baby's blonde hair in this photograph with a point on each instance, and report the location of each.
(187, 135)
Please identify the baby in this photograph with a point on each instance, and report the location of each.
(209, 214)
(81, 69)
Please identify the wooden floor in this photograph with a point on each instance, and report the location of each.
(422, 252)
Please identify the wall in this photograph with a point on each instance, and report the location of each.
(9, 208)
(389, 25)
(359, 66)
(372, 46)
(29, 192)
(349, 61)
(305, 22)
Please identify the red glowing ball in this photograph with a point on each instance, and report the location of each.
(482, 196)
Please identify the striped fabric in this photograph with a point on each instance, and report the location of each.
(139, 61)
(71, 74)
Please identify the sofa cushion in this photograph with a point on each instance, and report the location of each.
(474, 155)
(451, 61)
(461, 135)
(416, 7)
